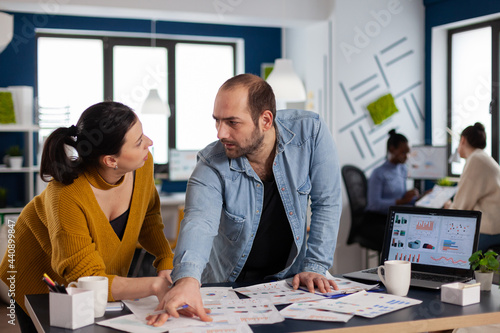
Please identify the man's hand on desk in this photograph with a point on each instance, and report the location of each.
(312, 280)
(185, 293)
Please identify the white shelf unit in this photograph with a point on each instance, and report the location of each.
(29, 168)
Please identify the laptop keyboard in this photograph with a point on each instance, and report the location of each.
(422, 276)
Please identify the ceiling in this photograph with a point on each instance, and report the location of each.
(269, 13)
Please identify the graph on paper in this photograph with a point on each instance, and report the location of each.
(366, 304)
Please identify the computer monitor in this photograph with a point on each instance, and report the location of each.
(181, 164)
(427, 162)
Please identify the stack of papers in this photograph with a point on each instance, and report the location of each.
(231, 314)
(278, 292)
(345, 287)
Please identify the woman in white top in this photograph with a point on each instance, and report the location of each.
(479, 185)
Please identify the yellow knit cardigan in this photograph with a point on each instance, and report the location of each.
(64, 233)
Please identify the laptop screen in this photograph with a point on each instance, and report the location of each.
(433, 240)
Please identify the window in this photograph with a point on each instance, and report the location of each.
(77, 71)
(202, 61)
(136, 70)
(472, 81)
(69, 80)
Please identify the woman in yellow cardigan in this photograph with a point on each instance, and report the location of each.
(95, 209)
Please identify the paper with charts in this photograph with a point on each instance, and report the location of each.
(143, 307)
(367, 304)
(130, 323)
(230, 328)
(345, 286)
(227, 312)
(437, 197)
(307, 311)
(279, 292)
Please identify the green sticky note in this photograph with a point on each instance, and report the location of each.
(382, 108)
(7, 115)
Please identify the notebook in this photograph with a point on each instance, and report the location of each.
(437, 242)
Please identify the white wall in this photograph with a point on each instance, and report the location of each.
(365, 50)
(379, 49)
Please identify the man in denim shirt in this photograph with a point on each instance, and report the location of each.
(247, 199)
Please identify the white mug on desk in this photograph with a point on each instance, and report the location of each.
(397, 276)
(99, 284)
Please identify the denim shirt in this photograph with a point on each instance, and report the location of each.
(224, 201)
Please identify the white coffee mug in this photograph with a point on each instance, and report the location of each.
(99, 284)
(397, 276)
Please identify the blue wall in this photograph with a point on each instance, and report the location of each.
(18, 60)
(439, 12)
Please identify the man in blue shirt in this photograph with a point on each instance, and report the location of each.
(246, 201)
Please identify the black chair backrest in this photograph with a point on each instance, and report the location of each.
(356, 186)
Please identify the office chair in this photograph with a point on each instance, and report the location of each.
(357, 188)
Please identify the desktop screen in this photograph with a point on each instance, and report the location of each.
(427, 162)
(181, 164)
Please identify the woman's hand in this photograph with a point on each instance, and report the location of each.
(166, 274)
(408, 197)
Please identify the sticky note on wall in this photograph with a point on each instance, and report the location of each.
(382, 108)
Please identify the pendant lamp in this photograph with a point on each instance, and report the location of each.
(7, 29)
(153, 103)
(286, 84)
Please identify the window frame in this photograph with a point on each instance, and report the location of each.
(139, 39)
(495, 79)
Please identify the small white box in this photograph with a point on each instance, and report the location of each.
(72, 310)
(460, 293)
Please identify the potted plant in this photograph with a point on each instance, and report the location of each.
(15, 157)
(158, 184)
(484, 265)
(3, 197)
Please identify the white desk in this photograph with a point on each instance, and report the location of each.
(170, 212)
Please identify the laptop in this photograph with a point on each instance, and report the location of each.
(437, 242)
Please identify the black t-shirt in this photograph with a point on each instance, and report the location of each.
(273, 241)
(120, 223)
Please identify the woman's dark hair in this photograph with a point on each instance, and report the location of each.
(100, 131)
(475, 135)
(395, 139)
(260, 94)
